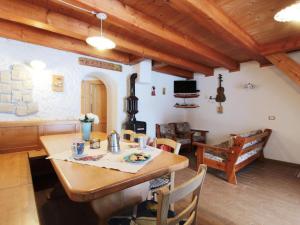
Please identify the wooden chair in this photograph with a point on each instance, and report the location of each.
(167, 197)
(168, 180)
(231, 156)
(168, 142)
(127, 133)
(175, 146)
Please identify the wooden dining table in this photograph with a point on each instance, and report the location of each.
(84, 183)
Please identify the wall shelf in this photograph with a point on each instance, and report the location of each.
(186, 95)
(186, 106)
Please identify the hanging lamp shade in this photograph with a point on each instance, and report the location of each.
(289, 14)
(100, 42)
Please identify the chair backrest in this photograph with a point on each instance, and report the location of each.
(168, 142)
(167, 197)
(127, 135)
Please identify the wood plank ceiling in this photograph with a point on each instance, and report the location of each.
(181, 37)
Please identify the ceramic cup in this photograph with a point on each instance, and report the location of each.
(78, 148)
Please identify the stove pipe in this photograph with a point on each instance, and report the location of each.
(132, 100)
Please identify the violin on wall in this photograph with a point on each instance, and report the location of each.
(220, 91)
(220, 95)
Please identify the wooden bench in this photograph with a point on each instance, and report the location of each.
(20, 142)
(234, 154)
(19, 136)
(37, 154)
(17, 199)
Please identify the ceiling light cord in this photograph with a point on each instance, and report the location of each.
(98, 42)
(101, 28)
(77, 7)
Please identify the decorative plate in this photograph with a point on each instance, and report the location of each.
(137, 157)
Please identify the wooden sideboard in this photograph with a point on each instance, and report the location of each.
(25, 135)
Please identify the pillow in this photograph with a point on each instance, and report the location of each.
(250, 133)
(182, 128)
(165, 148)
(167, 130)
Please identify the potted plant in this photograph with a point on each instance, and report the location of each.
(86, 124)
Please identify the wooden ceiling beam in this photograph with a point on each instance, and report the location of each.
(42, 18)
(171, 70)
(133, 20)
(284, 45)
(32, 35)
(209, 16)
(287, 65)
(133, 59)
(158, 65)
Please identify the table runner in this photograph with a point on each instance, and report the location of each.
(109, 160)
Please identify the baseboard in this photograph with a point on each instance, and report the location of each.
(283, 162)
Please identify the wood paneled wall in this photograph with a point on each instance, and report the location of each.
(25, 135)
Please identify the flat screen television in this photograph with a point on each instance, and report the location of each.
(185, 86)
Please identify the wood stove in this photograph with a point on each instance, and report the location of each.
(132, 109)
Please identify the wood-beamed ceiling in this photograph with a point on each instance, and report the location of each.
(183, 36)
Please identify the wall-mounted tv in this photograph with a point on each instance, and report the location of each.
(185, 86)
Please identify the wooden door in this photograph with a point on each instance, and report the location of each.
(94, 100)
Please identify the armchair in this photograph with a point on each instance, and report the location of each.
(182, 133)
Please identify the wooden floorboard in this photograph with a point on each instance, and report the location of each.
(267, 193)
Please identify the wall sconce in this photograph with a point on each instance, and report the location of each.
(249, 86)
(37, 65)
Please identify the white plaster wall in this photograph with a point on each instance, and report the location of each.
(275, 95)
(244, 109)
(66, 105)
(159, 108)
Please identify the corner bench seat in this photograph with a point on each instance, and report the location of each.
(35, 154)
(17, 201)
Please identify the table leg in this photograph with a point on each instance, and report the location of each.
(57, 192)
(110, 205)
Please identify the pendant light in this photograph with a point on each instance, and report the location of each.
(101, 42)
(289, 14)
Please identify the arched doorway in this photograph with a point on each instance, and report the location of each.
(94, 100)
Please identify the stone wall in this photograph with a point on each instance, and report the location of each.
(16, 91)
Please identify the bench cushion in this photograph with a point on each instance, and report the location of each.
(160, 182)
(249, 133)
(221, 157)
(247, 155)
(215, 157)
